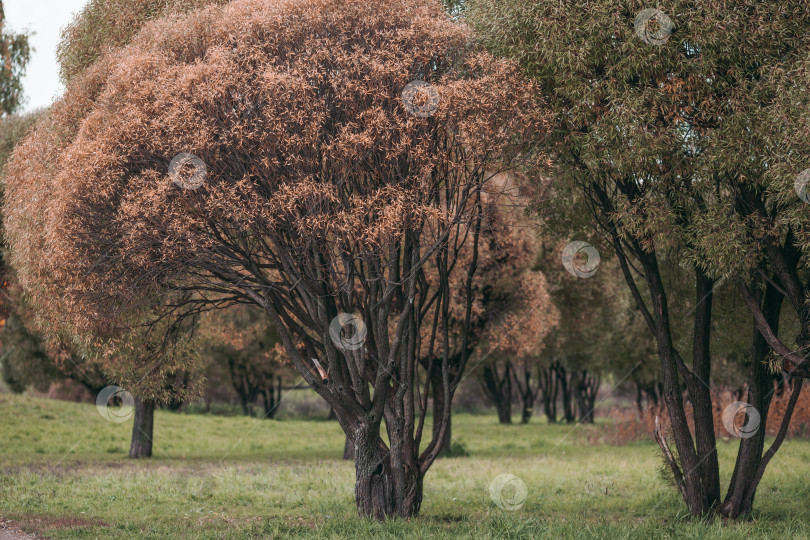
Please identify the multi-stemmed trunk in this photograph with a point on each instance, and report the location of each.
(566, 389)
(653, 391)
(271, 396)
(751, 461)
(142, 429)
(526, 390)
(381, 488)
(498, 388)
(586, 389)
(549, 387)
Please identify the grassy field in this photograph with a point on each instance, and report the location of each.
(64, 474)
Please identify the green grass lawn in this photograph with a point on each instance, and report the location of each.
(64, 474)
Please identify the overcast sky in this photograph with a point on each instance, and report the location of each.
(46, 18)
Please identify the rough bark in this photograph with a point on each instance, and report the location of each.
(694, 491)
(142, 429)
(383, 489)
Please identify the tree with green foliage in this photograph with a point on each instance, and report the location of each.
(681, 132)
(15, 52)
(103, 25)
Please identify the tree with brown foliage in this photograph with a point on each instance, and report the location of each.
(518, 311)
(242, 339)
(308, 158)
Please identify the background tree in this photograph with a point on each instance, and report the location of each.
(515, 343)
(593, 337)
(518, 312)
(103, 25)
(658, 120)
(16, 52)
(242, 339)
(322, 194)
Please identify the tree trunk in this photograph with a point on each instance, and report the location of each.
(741, 490)
(699, 385)
(566, 389)
(499, 391)
(348, 449)
(244, 405)
(695, 493)
(695, 488)
(379, 492)
(142, 429)
(528, 408)
(437, 389)
(580, 381)
(268, 398)
(549, 389)
(528, 393)
(585, 414)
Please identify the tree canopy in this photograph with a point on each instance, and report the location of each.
(308, 158)
(681, 131)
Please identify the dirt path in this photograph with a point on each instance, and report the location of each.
(9, 532)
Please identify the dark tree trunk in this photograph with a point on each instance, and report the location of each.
(741, 491)
(699, 386)
(499, 390)
(437, 390)
(567, 393)
(332, 415)
(527, 400)
(269, 400)
(549, 388)
(382, 489)
(696, 486)
(348, 449)
(527, 392)
(587, 387)
(271, 396)
(142, 429)
(654, 392)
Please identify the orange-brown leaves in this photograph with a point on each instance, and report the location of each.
(295, 109)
